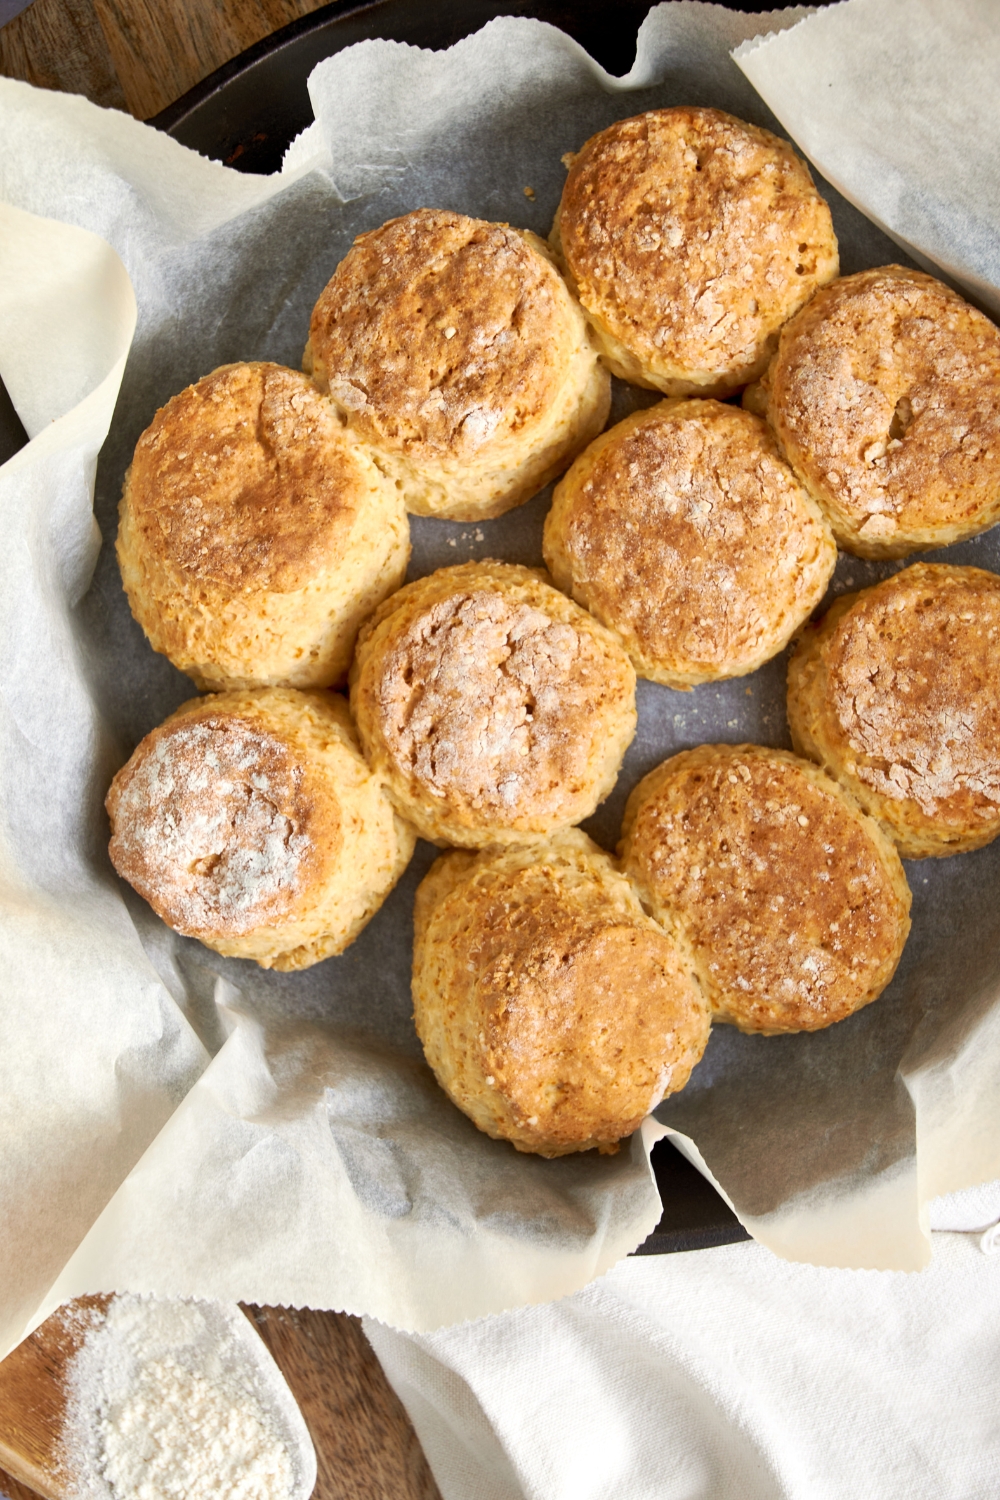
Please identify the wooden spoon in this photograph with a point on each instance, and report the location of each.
(366, 1448)
(33, 1398)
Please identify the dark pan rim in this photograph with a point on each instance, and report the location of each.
(338, 10)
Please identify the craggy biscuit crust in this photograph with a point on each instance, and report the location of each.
(249, 820)
(255, 534)
(794, 902)
(896, 692)
(689, 238)
(495, 709)
(885, 395)
(684, 531)
(553, 1011)
(454, 347)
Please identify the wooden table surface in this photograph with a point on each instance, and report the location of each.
(138, 55)
(141, 55)
(365, 1445)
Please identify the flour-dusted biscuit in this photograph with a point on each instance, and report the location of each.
(793, 900)
(455, 348)
(684, 531)
(553, 1011)
(249, 820)
(885, 395)
(896, 692)
(255, 535)
(689, 238)
(495, 709)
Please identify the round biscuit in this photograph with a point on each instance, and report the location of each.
(495, 709)
(250, 821)
(885, 396)
(895, 691)
(794, 901)
(690, 237)
(552, 1010)
(454, 347)
(685, 532)
(255, 534)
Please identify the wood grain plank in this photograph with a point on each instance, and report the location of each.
(33, 1398)
(11, 1490)
(366, 1448)
(161, 48)
(59, 44)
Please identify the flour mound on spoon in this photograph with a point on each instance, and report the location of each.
(175, 1400)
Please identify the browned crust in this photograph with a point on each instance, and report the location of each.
(495, 709)
(794, 901)
(250, 821)
(896, 693)
(885, 394)
(689, 238)
(244, 480)
(685, 531)
(455, 348)
(552, 1010)
(255, 534)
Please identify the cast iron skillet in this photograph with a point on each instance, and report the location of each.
(246, 114)
(694, 1216)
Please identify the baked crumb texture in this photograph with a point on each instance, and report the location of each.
(494, 708)
(553, 1011)
(690, 237)
(255, 534)
(684, 530)
(896, 692)
(885, 395)
(250, 821)
(454, 347)
(793, 900)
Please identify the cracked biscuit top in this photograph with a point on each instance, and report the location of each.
(495, 708)
(885, 394)
(439, 336)
(793, 900)
(896, 692)
(684, 530)
(689, 238)
(245, 481)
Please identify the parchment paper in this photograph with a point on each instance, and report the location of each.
(895, 101)
(178, 1123)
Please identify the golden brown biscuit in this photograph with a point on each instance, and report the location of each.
(684, 531)
(885, 395)
(896, 692)
(255, 534)
(454, 347)
(554, 1013)
(495, 709)
(689, 238)
(249, 820)
(793, 900)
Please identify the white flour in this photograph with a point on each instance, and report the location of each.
(174, 1400)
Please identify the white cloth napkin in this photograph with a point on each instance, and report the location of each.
(725, 1374)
